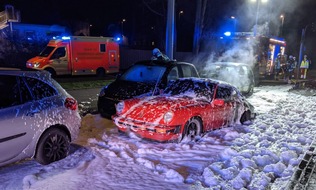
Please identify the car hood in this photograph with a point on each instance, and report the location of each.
(37, 59)
(152, 109)
(122, 90)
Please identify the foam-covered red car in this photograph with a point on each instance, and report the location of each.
(188, 108)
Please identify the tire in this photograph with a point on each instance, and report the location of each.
(192, 129)
(53, 145)
(100, 73)
(245, 117)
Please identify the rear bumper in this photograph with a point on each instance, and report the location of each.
(161, 133)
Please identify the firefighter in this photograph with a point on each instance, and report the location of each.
(304, 67)
(277, 66)
(291, 65)
(157, 55)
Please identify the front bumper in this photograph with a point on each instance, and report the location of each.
(161, 133)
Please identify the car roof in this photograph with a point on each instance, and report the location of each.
(25, 72)
(161, 63)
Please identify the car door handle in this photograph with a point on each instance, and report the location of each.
(32, 113)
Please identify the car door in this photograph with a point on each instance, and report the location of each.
(59, 61)
(224, 113)
(15, 117)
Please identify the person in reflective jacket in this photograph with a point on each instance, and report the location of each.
(304, 67)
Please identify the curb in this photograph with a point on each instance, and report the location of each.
(304, 171)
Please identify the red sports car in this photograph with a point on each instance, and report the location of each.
(187, 108)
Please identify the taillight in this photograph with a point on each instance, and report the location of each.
(71, 103)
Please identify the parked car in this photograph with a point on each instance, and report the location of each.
(237, 74)
(38, 118)
(144, 77)
(187, 108)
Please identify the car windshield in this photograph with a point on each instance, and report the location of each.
(46, 51)
(191, 88)
(144, 73)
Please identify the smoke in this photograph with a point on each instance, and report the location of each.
(257, 17)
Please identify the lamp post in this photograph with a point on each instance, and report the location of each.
(282, 21)
(257, 13)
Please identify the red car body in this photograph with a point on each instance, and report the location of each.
(145, 116)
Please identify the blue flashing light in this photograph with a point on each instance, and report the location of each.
(227, 33)
(65, 38)
(118, 38)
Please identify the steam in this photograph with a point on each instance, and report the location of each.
(243, 51)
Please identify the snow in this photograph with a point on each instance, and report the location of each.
(260, 155)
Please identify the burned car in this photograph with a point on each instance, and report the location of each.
(238, 74)
(188, 108)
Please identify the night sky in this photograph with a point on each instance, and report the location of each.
(103, 13)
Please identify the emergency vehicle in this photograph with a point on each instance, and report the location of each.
(267, 51)
(78, 55)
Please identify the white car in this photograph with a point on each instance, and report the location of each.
(38, 118)
(239, 75)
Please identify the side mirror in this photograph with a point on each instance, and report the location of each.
(218, 102)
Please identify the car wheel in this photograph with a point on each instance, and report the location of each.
(250, 91)
(192, 129)
(53, 145)
(245, 117)
(100, 73)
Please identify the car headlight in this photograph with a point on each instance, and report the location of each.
(36, 65)
(120, 107)
(102, 93)
(168, 116)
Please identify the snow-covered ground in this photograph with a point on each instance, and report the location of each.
(260, 155)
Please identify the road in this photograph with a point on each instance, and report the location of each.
(87, 99)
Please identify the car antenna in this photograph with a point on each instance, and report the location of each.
(160, 74)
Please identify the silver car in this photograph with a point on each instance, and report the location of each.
(38, 118)
(238, 74)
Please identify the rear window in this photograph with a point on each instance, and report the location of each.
(189, 71)
(40, 89)
(144, 73)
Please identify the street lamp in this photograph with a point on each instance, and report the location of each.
(282, 21)
(235, 20)
(122, 23)
(180, 13)
(257, 13)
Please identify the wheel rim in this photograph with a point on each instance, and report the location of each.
(56, 147)
(193, 129)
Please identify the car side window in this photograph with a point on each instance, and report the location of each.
(59, 52)
(173, 74)
(223, 93)
(188, 71)
(39, 89)
(11, 97)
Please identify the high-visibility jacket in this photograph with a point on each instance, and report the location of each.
(305, 64)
